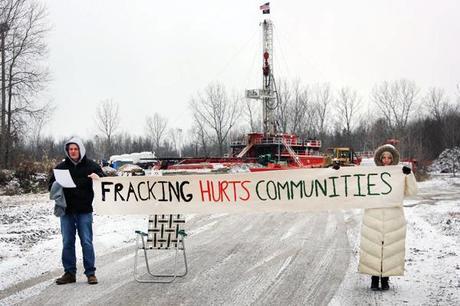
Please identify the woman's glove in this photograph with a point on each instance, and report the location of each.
(406, 170)
(336, 166)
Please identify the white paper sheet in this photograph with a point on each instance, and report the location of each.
(63, 178)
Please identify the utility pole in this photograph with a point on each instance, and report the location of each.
(179, 146)
(3, 29)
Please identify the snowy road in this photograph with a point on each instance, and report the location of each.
(234, 259)
(284, 259)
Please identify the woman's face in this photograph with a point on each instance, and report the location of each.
(387, 158)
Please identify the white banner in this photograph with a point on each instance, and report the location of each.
(270, 191)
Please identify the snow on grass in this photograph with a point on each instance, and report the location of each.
(28, 234)
(30, 239)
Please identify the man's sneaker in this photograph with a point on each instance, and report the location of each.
(92, 280)
(67, 278)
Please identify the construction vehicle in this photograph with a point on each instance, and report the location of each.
(343, 156)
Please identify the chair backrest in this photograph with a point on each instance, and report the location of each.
(163, 231)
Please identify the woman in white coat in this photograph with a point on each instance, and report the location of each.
(383, 234)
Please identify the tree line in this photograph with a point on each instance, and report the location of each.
(425, 123)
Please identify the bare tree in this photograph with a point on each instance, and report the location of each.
(23, 29)
(173, 144)
(298, 107)
(201, 137)
(348, 104)
(156, 129)
(294, 107)
(253, 114)
(445, 115)
(396, 101)
(107, 122)
(38, 122)
(281, 112)
(322, 99)
(216, 111)
(436, 103)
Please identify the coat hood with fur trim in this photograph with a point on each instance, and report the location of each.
(386, 148)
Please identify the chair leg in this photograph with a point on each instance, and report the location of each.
(159, 278)
(136, 255)
(185, 260)
(175, 263)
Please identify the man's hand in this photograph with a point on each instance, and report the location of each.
(93, 176)
(406, 170)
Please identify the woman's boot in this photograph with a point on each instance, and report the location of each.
(385, 285)
(374, 283)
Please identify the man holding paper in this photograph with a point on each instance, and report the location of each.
(76, 174)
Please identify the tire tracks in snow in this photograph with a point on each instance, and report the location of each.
(279, 258)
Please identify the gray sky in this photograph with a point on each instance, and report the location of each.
(152, 56)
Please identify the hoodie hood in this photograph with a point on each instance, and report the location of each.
(386, 148)
(80, 145)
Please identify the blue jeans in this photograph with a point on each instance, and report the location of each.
(70, 224)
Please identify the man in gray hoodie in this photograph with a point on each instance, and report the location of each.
(78, 215)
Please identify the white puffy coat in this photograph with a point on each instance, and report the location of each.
(383, 238)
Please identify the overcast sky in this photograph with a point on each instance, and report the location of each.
(152, 56)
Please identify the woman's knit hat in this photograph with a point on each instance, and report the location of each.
(386, 148)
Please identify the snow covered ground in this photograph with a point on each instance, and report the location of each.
(432, 274)
(30, 240)
(30, 247)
